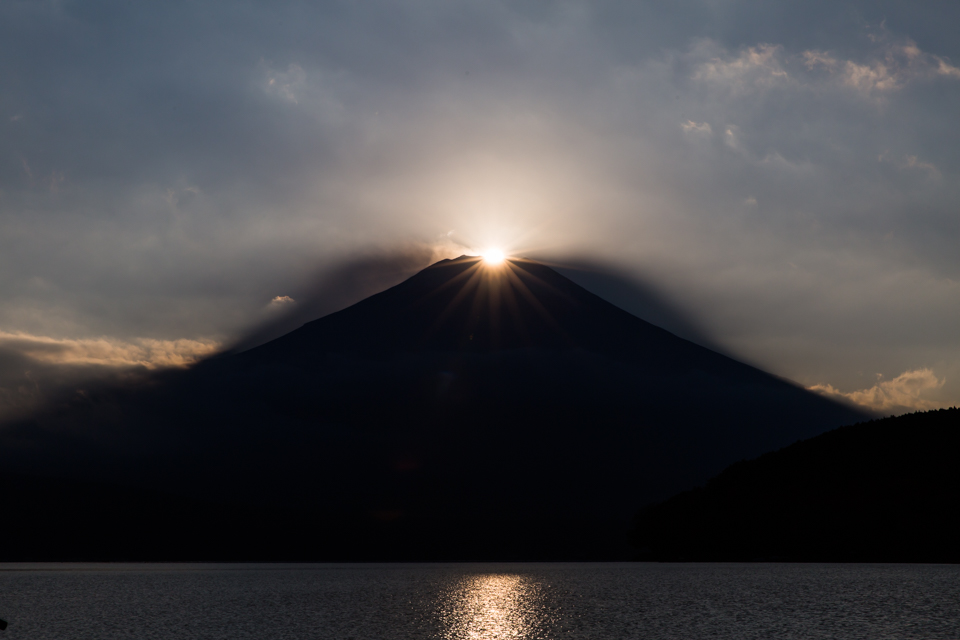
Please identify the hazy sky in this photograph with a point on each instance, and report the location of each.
(785, 173)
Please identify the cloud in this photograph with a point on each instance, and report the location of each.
(731, 137)
(890, 67)
(40, 371)
(280, 302)
(893, 66)
(697, 128)
(286, 84)
(109, 352)
(757, 65)
(819, 58)
(912, 162)
(910, 391)
(874, 77)
(944, 68)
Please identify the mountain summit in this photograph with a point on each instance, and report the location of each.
(467, 305)
(472, 412)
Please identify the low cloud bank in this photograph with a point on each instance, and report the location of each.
(910, 391)
(111, 352)
(37, 371)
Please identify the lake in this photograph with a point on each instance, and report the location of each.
(454, 601)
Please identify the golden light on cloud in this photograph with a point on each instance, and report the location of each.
(910, 391)
(112, 352)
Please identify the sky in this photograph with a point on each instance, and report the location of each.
(783, 174)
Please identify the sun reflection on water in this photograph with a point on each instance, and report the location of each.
(493, 606)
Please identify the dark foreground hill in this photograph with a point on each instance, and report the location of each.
(471, 412)
(879, 491)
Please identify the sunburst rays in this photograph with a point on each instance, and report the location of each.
(493, 293)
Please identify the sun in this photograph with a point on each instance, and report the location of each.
(493, 256)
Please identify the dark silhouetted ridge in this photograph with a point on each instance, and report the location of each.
(878, 491)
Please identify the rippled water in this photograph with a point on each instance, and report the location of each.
(602, 601)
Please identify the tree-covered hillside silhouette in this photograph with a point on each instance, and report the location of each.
(880, 491)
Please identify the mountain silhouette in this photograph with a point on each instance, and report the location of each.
(472, 412)
(878, 491)
(466, 306)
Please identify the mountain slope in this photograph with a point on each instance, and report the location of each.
(464, 305)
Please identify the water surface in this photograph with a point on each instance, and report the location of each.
(460, 601)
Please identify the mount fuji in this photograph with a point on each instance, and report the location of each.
(472, 412)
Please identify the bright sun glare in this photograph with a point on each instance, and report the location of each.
(493, 256)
